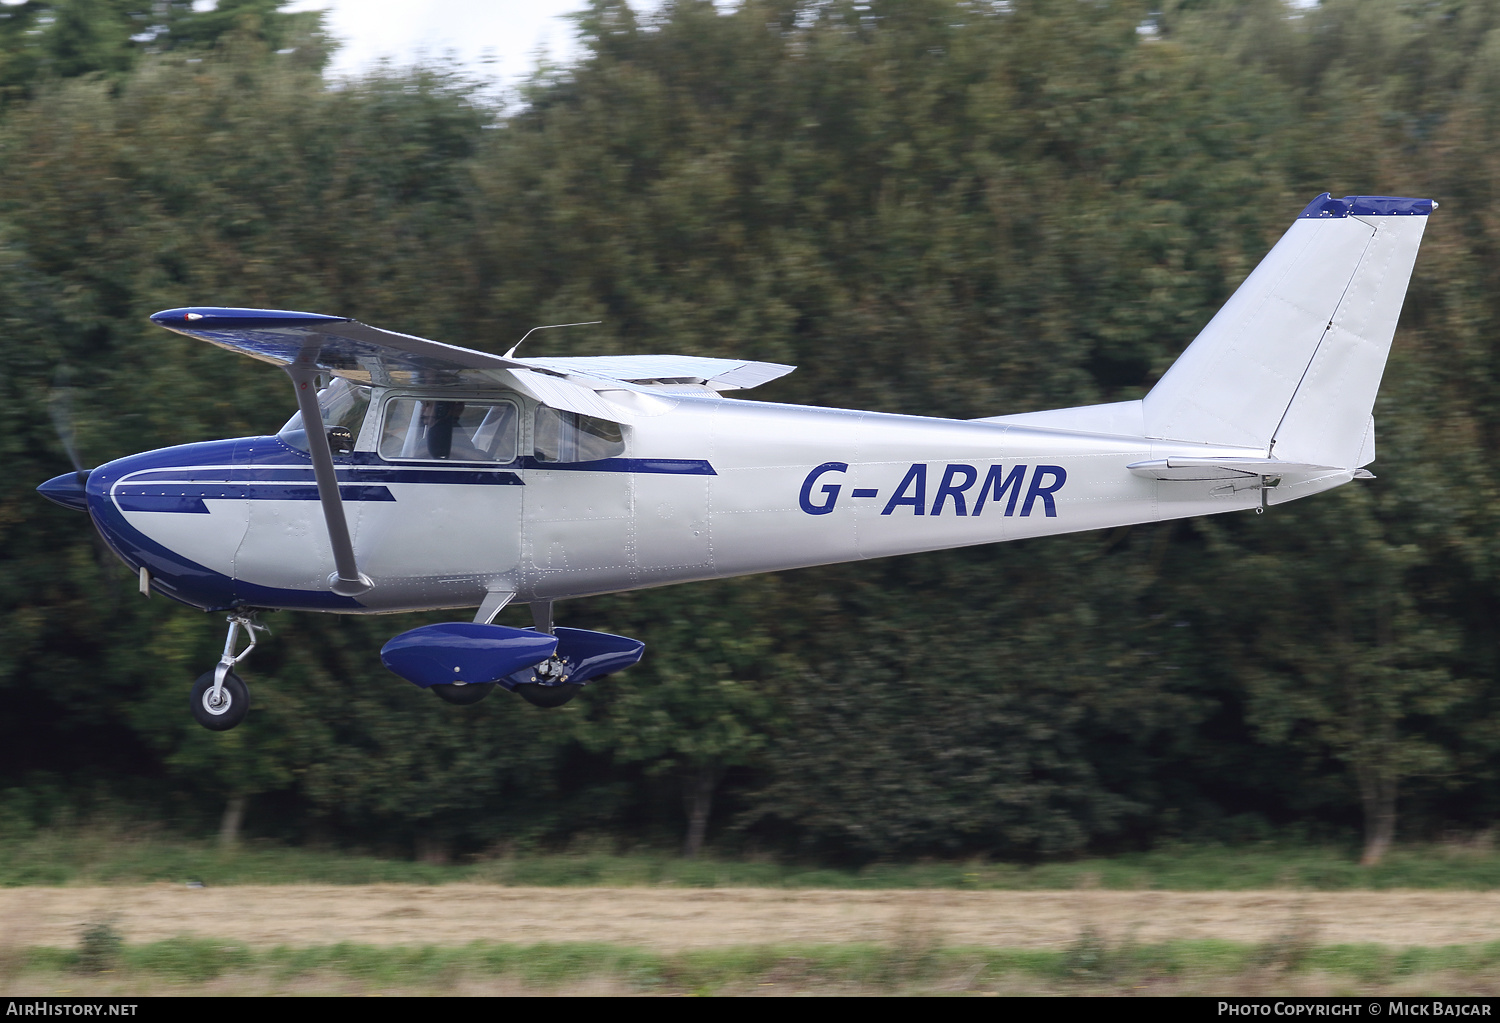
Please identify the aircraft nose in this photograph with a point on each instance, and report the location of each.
(67, 490)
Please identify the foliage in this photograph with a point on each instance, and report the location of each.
(871, 967)
(99, 947)
(104, 853)
(46, 40)
(938, 207)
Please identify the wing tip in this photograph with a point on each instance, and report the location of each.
(226, 317)
(1325, 207)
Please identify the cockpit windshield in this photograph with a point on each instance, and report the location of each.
(344, 404)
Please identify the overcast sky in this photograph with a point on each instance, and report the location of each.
(499, 37)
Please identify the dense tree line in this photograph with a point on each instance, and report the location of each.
(938, 207)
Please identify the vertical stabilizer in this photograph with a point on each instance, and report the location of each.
(1292, 362)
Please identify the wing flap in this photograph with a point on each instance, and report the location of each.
(569, 395)
(648, 370)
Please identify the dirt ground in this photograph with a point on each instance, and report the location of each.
(1250, 984)
(668, 918)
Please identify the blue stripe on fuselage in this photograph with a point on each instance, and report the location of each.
(189, 497)
(672, 466)
(184, 490)
(233, 474)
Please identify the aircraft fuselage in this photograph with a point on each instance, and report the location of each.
(708, 488)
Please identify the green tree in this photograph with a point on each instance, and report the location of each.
(1338, 657)
(89, 663)
(47, 40)
(702, 703)
(933, 207)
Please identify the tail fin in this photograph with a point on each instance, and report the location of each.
(1292, 362)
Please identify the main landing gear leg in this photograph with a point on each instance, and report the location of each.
(549, 685)
(541, 614)
(220, 699)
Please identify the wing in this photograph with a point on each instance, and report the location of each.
(342, 346)
(609, 387)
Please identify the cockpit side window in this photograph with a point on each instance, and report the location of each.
(427, 429)
(344, 406)
(571, 437)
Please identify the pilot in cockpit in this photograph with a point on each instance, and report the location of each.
(438, 420)
(462, 431)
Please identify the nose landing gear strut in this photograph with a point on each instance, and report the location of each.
(220, 699)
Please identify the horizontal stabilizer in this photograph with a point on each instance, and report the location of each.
(1185, 470)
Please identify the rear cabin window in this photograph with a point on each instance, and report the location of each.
(460, 431)
(570, 437)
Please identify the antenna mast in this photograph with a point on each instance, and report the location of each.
(550, 326)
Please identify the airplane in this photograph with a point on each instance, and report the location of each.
(440, 477)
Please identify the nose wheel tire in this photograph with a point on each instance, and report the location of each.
(462, 695)
(229, 710)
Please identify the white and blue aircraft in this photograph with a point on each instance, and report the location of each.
(440, 477)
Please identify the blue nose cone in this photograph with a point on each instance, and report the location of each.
(67, 490)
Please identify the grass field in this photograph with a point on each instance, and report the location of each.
(911, 964)
(120, 854)
(107, 909)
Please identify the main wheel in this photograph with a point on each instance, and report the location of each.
(233, 705)
(539, 695)
(462, 695)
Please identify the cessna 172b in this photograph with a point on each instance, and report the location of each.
(440, 477)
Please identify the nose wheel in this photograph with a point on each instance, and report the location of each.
(220, 699)
(219, 708)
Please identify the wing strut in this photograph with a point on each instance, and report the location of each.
(347, 580)
(494, 602)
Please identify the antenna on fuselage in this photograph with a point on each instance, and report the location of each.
(550, 326)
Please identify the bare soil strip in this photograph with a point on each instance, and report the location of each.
(667, 918)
